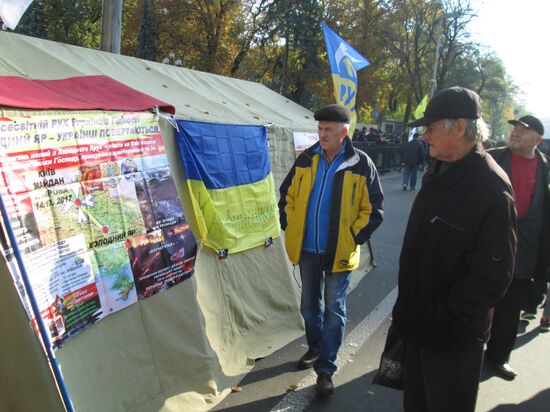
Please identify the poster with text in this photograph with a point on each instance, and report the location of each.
(95, 213)
(303, 140)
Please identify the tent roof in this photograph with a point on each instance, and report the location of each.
(75, 93)
(196, 95)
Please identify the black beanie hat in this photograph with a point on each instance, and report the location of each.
(333, 113)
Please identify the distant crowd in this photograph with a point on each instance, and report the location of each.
(375, 136)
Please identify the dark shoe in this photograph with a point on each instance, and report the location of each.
(544, 324)
(324, 385)
(308, 359)
(504, 370)
(528, 316)
(404, 187)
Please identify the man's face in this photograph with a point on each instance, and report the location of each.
(523, 140)
(442, 143)
(331, 135)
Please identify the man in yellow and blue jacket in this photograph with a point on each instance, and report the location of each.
(331, 203)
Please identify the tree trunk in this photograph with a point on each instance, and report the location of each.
(284, 74)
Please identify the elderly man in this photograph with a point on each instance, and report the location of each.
(457, 258)
(529, 172)
(331, 202)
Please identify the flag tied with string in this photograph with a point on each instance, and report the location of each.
(345, 62)
(230, 182)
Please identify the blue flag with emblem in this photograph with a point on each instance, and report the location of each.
(230, 184)
(345, 62)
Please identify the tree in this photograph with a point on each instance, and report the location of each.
(249, 32)
(453, 22)
(65, 21)
(280, 44)
(147, 46)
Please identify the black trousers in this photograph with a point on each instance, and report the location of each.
(537, 290)
(506, 321)
(441, 381)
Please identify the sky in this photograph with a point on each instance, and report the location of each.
(519, 33)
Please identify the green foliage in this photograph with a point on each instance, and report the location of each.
(280, 44)
(65, 21)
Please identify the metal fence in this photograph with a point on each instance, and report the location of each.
(386, 157)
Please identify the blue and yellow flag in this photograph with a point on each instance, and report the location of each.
(230, 183)
(345, 62)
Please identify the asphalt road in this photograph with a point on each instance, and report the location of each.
(268, 386)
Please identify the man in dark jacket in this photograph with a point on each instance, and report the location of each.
(413, 156)
(528, 170)
(457, 258)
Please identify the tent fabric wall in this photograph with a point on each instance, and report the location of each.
(184, 348)
(24, 364)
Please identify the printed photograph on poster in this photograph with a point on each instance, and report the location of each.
(165, 203)
(64, 285)
(148, 263)
(114, 278)
(25, 231)
(303, 140)
(162, 258)
(180, 251)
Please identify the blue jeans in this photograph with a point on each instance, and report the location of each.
(324, 328)
(409, 175)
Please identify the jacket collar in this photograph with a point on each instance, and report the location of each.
(456, 170)
(506, 153)
(316, 148)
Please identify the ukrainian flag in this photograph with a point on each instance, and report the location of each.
(345, 62)
(230, 183)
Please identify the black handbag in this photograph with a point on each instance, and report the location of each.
(390, 372)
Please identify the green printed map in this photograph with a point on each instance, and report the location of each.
(105, 211)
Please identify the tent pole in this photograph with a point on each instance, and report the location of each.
(36, 311)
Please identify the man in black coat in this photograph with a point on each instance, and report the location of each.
(529, 172)
(457, 258)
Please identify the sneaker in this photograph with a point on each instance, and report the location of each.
(544, 324)
(404, 187)
(528, 316)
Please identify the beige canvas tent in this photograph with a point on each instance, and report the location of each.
(183, 349)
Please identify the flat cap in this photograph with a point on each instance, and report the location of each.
(333, 113)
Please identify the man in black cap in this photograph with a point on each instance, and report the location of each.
(331, 203)
(529, 172)
(457, 258)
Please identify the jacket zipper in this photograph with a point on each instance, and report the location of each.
(353, 193)
(436, 218)
(318, 206)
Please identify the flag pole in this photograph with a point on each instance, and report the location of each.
(35, 310)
